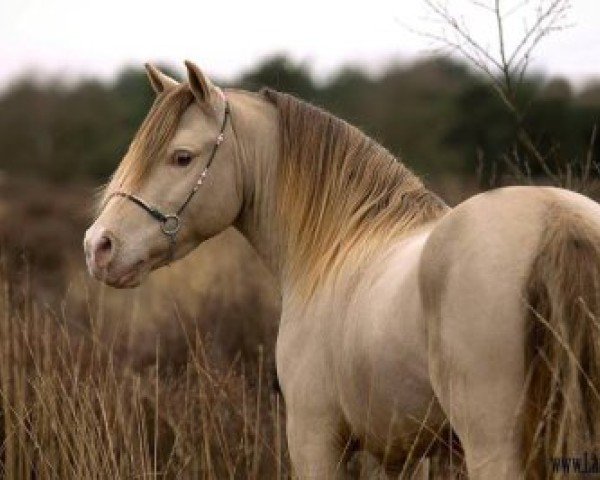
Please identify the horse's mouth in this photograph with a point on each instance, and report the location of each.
(136, 275)
(131, 279)
(130, 276)
(127, 278)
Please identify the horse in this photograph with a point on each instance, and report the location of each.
(401, 317)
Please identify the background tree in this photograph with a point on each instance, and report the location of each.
(539, 119)
(438, 115)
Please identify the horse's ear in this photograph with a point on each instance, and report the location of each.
(200, 85)
(159, 81)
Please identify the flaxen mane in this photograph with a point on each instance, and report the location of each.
(153, 136)
(339, 192)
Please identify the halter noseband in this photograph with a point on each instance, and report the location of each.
(171, 223)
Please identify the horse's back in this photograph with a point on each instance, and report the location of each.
(493, 234)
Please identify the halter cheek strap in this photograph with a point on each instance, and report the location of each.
(170, 224)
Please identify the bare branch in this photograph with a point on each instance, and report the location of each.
(547, 20)
(505, 66)
(481, 5)
(516, 8)
(502, 71)
(461, 31)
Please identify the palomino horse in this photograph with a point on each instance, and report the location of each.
(400, 316)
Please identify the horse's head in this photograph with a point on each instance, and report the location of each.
(177, 185)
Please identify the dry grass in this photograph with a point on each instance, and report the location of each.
(71, 408)
(170, 380)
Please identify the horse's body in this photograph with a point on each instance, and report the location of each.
(400, 317)
(442, 310)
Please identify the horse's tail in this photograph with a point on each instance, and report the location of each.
(562, 350)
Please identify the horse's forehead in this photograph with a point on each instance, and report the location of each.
(191, 116)
(192, 124)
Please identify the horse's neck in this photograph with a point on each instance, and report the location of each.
(256, 124)
(257, 136)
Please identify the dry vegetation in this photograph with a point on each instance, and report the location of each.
(174, 379)
(71, 409)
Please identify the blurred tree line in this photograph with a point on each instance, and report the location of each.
(436, 115)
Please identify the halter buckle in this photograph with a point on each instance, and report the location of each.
(171, 225)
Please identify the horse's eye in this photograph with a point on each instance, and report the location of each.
(182, 158)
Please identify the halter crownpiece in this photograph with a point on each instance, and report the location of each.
(171, 223)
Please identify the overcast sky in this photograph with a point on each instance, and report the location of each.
(78, 37)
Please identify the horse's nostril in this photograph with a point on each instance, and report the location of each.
(103, 251)
(105, 244)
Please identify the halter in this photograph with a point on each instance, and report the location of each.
(170, 224)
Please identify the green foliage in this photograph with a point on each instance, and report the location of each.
(436, 115)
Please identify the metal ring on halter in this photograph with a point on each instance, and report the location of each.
(171, 225)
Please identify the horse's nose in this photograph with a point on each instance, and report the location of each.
(99, 247)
